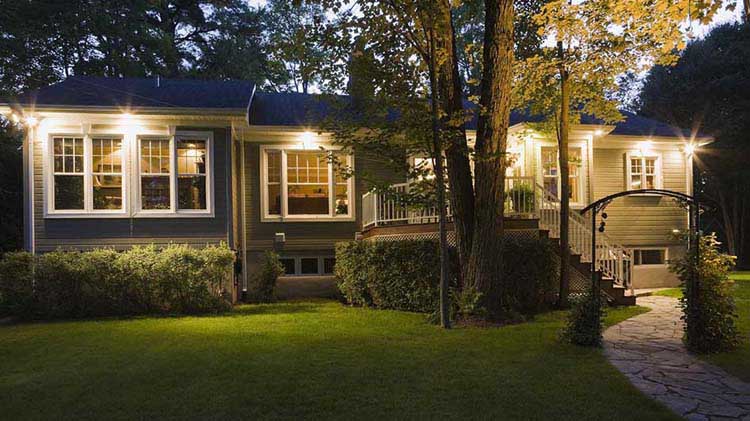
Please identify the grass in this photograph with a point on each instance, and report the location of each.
(308, 360)
(736, 362)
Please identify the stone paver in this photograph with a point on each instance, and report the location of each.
(648, 349)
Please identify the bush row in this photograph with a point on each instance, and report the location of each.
(405, 275)
(104, 282)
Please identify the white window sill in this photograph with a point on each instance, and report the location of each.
(85, 215)
(178, 214)
(279, 219)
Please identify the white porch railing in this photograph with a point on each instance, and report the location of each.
(386, 209)
(612, 259)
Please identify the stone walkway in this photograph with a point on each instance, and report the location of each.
(648, 349)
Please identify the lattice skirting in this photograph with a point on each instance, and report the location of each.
(515, 234)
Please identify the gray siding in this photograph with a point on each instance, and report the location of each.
(641, 220)
(78, 233)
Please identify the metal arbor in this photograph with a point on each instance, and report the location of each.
(600, 205)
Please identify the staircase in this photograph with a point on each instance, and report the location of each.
(613, 261)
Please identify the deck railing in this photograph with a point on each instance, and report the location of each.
(379, 209)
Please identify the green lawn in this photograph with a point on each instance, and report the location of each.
(736, 362)
(308, 360)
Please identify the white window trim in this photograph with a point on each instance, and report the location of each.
(88, 210)
(642, 157)
(173, 211)
(298, 265)
(666, 256)
(582, 174)
(266, 217)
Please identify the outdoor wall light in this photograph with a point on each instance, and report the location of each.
(598, 132)
(308, 140)
(689, 149)
(31, 121)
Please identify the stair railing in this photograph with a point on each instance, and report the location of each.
(612, 259)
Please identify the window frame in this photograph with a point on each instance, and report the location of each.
(582, 172)
(265, 216)
(88, 210)
(637, 249)
(174, 210)
(298, 265)
(658, 173)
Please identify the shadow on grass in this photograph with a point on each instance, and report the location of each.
(281, 307)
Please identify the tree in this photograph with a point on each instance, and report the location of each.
(708, 89)
(596, 42)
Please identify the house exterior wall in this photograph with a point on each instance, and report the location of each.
(82, 233)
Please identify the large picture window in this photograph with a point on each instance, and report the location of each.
(299, 184)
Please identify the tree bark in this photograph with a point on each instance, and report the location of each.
(437, 161)
(562, 143)
(746, 11)
(454, 128)
(485, 263)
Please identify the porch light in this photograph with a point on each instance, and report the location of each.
(598, 132)
(689, 149)
(308, 140)
(645, 146)
(127, 116)
(31, 121)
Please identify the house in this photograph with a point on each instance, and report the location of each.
(118, 162)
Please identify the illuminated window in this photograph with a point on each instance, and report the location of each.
(306, 184)
(551, 173)
(155, 174)
(106, 173)
(68, 173)
(644, 172)
(191, 174)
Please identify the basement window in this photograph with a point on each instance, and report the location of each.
(308, 265)
(656, 256)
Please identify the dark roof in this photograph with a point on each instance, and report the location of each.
(77, 91)
(635, 125)
(287, 109)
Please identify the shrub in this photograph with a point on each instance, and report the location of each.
(16, 283)
(405, 275)
(263, 282)
(708, 308)
(584, 324)
(103, 282)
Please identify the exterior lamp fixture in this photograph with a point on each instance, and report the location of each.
(31, 121)
(689, 149)
(127, 116)
(598, 132)
(308, 140)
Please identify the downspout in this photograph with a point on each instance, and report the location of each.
(28, 191)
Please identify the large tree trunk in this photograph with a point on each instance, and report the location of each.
(562, 138)
(485, 263)
(454, 130)
(746, 11)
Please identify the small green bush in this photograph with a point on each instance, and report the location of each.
(530, 272)
(263, 283)
(584, 324)
(103, 282)
(708, 308)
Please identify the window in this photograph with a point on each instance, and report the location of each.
(106, 173)
(551, 174)
(308, 265)
(643, 172)
(303, 184)
(175, 175)
(68, 173)
(649, 256)
(289, 266)
(191, 174)
(155, 174)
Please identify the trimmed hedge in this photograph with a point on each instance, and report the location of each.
(104, 282)
(263, 283)
(405, 275)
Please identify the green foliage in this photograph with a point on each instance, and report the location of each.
(263, 282)
(522, 197)
(405, 275)
(708, 308)
(584, 324)
(399, 275)
(104, 282)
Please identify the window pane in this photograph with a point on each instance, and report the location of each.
(288, 264)
(106, 155)
(635, 182)
(155, 192)
(68, 192)
(274, 166)
(191, 191)
(342, 199)
(309, 199)
(650, 257)
(274, 199)
(191, 156)
(107, 192)
(329, 263)
(154, 156)
(309, 265)
(549, 161)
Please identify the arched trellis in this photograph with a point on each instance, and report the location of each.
(690, 202)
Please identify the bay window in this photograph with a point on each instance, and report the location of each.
(305, 184)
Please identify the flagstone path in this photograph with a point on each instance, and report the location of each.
(648, 349)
